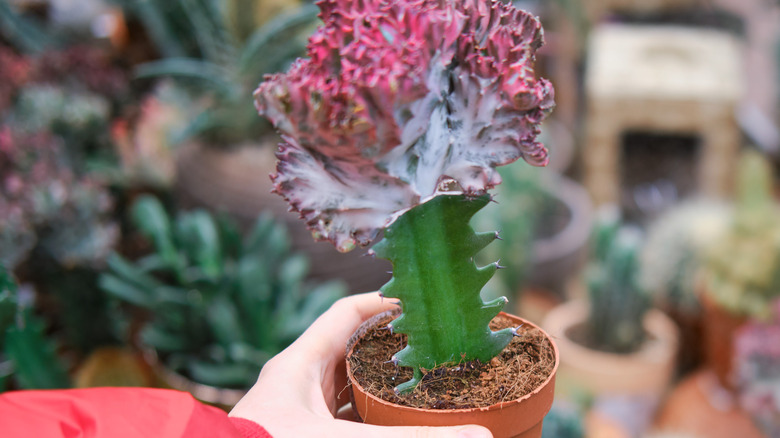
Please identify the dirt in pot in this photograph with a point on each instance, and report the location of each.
(523, 366)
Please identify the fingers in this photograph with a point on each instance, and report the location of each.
(357, 430)
(331, 331)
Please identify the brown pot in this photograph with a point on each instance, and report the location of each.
(627, 387)
(699, 406)
(719, 327)
(561, 253)
(649, 369)
(518, 418)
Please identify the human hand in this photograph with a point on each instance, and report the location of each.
(300, 390)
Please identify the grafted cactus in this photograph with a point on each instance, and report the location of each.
(397, 97)
(432, 248)
(398, 120)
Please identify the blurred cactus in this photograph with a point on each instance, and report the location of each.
(206, 47)
(743, 265)
(618, 304)
(563, 421)
(27, 357)
(674, 249)
(219, 306)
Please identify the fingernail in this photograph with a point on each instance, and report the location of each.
(474, 432)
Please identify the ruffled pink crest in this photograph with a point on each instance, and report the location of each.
(398, 96)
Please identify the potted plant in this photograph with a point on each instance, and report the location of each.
(395, 124)
(615, 347)
(217, 306)
(674, 250)
(739, 277)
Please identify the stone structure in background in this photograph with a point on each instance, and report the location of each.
(663, 81)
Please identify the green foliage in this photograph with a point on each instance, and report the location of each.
(563, 421)
(432, 248)
(24, 33)
(26, 356)
(219, 65)
(674, 250)
(220, 305)
(520, 205)
(618, 303)
(743, 265)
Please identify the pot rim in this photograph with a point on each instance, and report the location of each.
(493, 407)
(605, 372)
(225, 397)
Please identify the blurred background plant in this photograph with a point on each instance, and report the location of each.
(145, 141)
(218, 305)
(219, 51)
(743, 266)
(28, 358)
(675, 247)
(515, 214)
(563, 421)
(617, 302)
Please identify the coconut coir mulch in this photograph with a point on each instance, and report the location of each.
(523, 365)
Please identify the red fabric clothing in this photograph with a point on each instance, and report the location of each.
(117, 413)
(249, 429)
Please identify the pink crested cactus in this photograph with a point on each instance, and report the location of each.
(399, 98)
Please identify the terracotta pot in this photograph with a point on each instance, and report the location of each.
(719, 328)
(648, 369)
(627, 387)
(113, 366)
(518, 418)
(223, 398)
(699, 406)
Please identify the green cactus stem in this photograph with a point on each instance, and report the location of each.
(432, 248)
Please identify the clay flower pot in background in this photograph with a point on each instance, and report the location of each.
(635, 380)
(515, 418)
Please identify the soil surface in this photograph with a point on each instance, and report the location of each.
(523, 365)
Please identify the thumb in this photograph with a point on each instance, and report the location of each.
(467, 431)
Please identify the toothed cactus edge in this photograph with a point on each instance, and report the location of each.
(432, 248)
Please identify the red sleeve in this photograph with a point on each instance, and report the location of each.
(116, 413)
(249, 429)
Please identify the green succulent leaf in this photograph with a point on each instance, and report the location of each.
(35, 362)
(150, 217)
(216, 77)
(314, 304)
(220, 304)
(225, 375)
(164, 340)
(127, 291)
(223, 317)
(432, 248)
(254, 57)
(200, 240)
